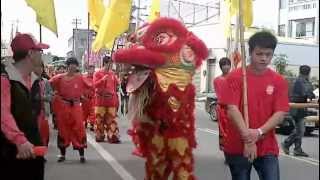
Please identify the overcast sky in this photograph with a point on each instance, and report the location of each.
(66, 11)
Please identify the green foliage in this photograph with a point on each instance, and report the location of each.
(281, 62)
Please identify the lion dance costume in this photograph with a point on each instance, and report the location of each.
(161, 106)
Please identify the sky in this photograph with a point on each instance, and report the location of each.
(66, 11)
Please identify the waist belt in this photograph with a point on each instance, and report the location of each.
(105, 95)
(71, 102)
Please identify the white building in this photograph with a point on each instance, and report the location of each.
(299, 19)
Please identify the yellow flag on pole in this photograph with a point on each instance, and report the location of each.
(96, 11)
(247, 11)
(232, 8)
(114, 22)
(45, 11)
(155, 10)
(248, 14)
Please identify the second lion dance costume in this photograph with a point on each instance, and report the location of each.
(161, 106)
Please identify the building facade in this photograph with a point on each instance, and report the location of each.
(79, 43)
(299, 19)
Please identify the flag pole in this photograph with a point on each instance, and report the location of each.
(244, 73)
(40, 32)
(88, 39)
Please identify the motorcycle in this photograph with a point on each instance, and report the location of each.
(210, 106)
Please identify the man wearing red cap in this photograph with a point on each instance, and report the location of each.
(20, 108)
(106, 103)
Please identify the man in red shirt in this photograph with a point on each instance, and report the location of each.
(106, 102)
(20, 110)
(88, 103)
(225, 66)
(267, 104)
(70, 88)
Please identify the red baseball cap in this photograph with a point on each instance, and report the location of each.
(25, 42)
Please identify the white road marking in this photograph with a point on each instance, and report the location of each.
(123, 173)
(307, 160)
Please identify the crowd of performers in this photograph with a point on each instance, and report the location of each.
(80, 101)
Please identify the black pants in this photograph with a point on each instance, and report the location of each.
(15, 169)
(297, 134)
(124, 104)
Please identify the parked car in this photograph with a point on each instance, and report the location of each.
(287, 126)
(210, 106)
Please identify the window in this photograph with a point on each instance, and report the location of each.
(309, 29)
(305, 28)
(314, 5)
(301, 29)
(283, 4)
(282, 30)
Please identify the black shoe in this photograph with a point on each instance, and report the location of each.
(61, 159)
(285, 148)
(300, 153)
(82, 159)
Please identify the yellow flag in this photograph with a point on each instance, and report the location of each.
(247, 11)
(114, 22)
(45, 13)
(155, 10)
(96, 11)
(232, 8)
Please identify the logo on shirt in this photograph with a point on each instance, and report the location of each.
(270, 89)
(76, 86)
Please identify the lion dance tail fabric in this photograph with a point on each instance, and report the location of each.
(161, 105)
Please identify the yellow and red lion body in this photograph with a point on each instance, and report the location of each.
(162, 100)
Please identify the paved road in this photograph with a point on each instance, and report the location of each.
(115, 162)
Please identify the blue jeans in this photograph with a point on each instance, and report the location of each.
(267, 167)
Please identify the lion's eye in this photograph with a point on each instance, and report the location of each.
(162, 38)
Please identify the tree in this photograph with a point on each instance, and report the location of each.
(281, 63)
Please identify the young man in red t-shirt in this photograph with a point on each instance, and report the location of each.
(267, 104)
(225, 66)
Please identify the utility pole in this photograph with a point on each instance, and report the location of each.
(88, 39)
(138, 15)
(75, 22)
(17, 25)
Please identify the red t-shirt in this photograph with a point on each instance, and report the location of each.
(105, 84)
(89, 93)
(219, 84)
(267, 94)
(69, 88)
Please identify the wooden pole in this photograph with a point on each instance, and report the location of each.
(303, 105)
(244, 66)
